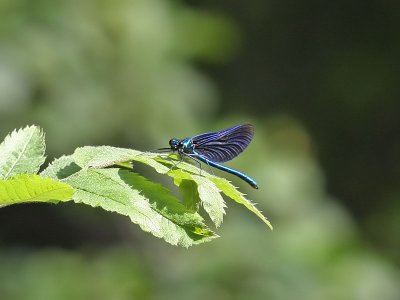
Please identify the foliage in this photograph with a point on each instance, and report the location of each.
(21, 155)
(98, 176)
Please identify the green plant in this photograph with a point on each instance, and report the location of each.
(104, 176)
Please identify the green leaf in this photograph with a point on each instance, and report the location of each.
(105, 156)
(102, 156)
(188, 188)
(230, 191)
(207, 191)
(33, 188)
(22, 151)
(147, 204)
(208, 186)
(61, 168)
(211, 199)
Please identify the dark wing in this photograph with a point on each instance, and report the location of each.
(223, 145)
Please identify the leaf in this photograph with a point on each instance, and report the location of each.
(208, 193)
(211, 203)
(147, 204)
(188, 188)
(105, 156)
(22, 151)
(33, 188)
(211, 199)
(230, 191)
(102, 156)
(214, 205)
(61, 168)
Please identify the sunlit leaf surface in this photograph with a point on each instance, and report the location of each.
(22, 151)
(33, 188)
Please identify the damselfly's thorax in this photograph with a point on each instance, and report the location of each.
(185, 145)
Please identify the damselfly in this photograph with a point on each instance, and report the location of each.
(213, 148)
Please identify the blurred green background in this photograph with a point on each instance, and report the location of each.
(318, 79)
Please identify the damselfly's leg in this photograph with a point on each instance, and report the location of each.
(176, 163)
(193, 157)
(211, 169)
(196, 159)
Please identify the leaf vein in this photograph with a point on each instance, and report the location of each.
(20, 155)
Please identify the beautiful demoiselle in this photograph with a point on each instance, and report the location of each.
(213, 148)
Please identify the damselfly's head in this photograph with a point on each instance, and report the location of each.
(174, 144)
